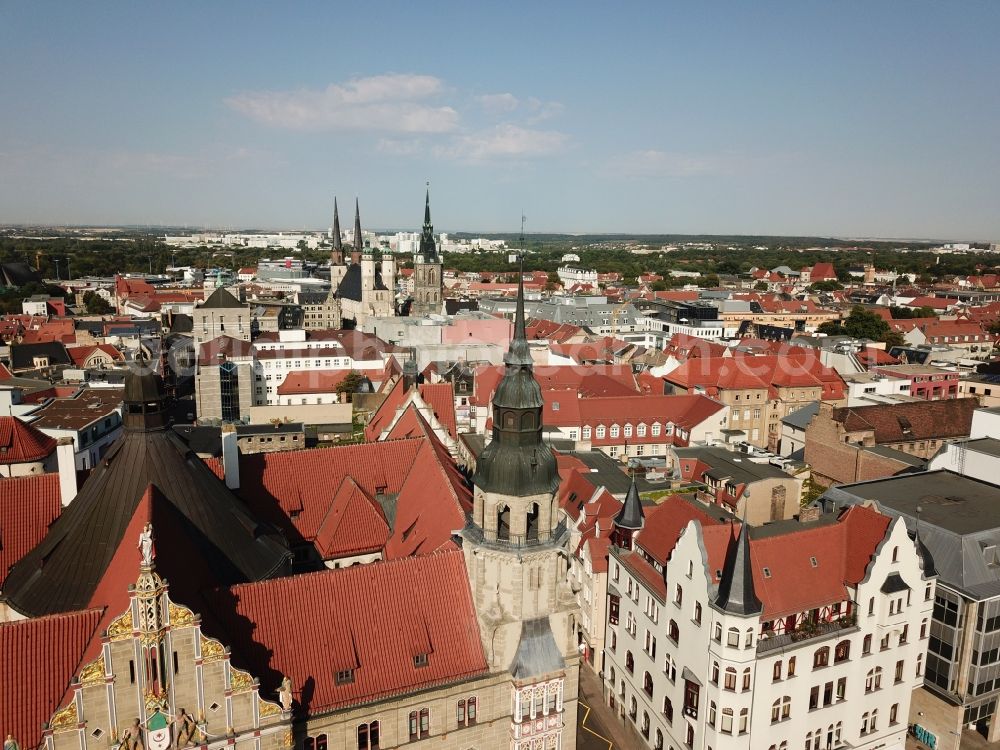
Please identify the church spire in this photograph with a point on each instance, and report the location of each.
(358, 245)
(428, 249)
(337, 245)
(736, 590)
(519, 353)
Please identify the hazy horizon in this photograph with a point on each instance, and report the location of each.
(772, 119)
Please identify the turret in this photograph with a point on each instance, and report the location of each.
(629, 520)
(736, 590)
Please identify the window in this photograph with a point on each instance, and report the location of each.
(629, 662)
(874, 680)
(668, 710)
(586, 433)
(715, 673)
(640, 431)
(781, 709)
(697, 613)
(717, 635)
(627, 432)
(344, 677)
(776, 673)
(841, 652)
(460, 713)
(362, 737)
(420, 660)
(647, 684)
(414, 725)
(730, 681)
(893, 712)
(727, 721)
(746, 679)
(600, 432)
(821, 657)
(472, 709)
(674, 632)
(744, 718)
(791, 666)
(899, 670)
(678, 594)
(614, 430)
(712, 710)
(425, 723)
(733, 637)
(670, 669)
(866, 644)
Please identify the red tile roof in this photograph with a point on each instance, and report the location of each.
(221, 348)
(80, 354)
(28, 506)
(354, 524)
(38, 660)
(908, 421)
(441, 399)
(386, 412)
(22, 443)
(295, 490)
(664, 525)
(324, 381)
(589, 380)
(392, 611)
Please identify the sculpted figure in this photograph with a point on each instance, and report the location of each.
(10, 743)
(285, 694)
(146, 545)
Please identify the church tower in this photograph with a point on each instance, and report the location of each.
(516, 555)
(337, 266)
(427, 268)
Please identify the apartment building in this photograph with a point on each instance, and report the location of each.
(759, 390)
(795, 634)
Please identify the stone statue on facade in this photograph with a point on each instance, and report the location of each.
(285, 694)
(10, 743)
(132, 737)
(146, 545)
(187, 730)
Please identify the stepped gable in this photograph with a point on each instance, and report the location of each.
(399, 609)
(63, 572)
(28, 505)
(21, 443)
(40, 657)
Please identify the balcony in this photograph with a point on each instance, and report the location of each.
(816, 632)
(490, 538)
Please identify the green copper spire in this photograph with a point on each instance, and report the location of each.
(519, 353)
(428, 249)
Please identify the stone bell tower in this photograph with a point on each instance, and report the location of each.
(516, 554)
(428, 284)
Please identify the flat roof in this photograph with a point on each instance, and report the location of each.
(75, 413)
(950, 501)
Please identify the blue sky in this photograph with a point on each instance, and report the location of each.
(848, 118)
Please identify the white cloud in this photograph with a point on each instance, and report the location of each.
(400, 147)
(498, 103)
(392, 102)
(503, 141)
(654, 163)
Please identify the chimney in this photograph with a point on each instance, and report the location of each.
(66, 461)
(809, 514)
(230, 457)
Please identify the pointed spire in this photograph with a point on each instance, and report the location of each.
(428, 249)
(357, 226)
(736, 589)
(631, 515)
(337, 247)
(519, 352)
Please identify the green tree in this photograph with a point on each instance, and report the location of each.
(710, 282)
(760, 286)
(349, 385)
(96, 304)
(827, 286)
(860, 324)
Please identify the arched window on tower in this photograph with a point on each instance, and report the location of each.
(527, 421)
(503, 522)
(531, 532)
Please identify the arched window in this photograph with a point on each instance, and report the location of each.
(645, 724)
(842, 651)
(866, 644)
(697, 613)
(658, 745)
(873, 681)
(670, 668)
(712, 711)
(373, 735)
(473, 709)
(744, 718)
(791, 666)
(612, 677)
(532, 522)
(629, 662)
(309, 744)
(503, 522)
(730, 681)
(733, 637)
(781, 709)
(727, 721)
(321, 742)
(633, 710)
(821, 657)
(715, 673)
(508, 420)
(460, 712)
(414, 725)
(674, 632)
(776, 671)
(746, 679)
(362, 737)
(425, 723)
(647, 684)
(527, 421)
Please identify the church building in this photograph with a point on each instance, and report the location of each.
(366, 285)
(428, 284)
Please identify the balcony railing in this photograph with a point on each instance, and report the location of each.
(492, 538)
(819, 630)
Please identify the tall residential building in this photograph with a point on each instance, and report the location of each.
(516, 552)
(428, 283)
(797, 634)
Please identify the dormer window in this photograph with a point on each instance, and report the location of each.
(344, 677)
(420, 660)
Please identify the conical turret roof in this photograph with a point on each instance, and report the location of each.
(631, 515)
(736, 590)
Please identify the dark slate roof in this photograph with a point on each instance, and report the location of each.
(537, 652)
(22, 356)
(203, 440)
(894, 584)
(63, 572)
(800, 418)
(630, 516)
(181, 323)
(350, 285)
(736, 590)
(452, 305)
(17, 273)
(222, 299)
